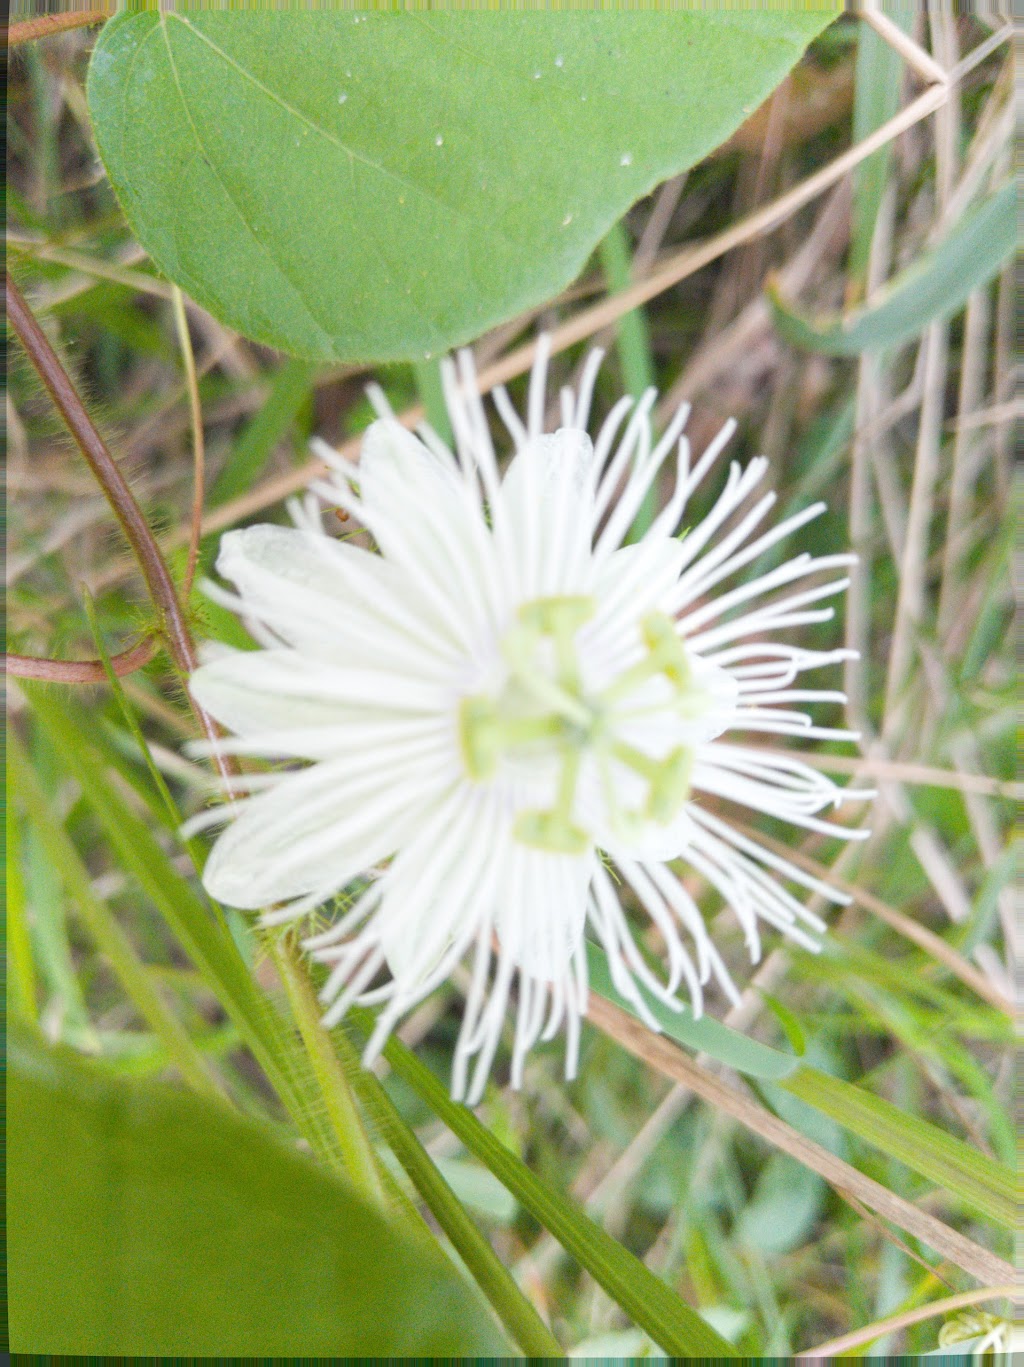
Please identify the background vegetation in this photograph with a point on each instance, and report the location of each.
(861, 335)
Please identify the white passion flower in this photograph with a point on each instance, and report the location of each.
(510, 719)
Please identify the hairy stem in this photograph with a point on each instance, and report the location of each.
(360, 1159)
(81, 671)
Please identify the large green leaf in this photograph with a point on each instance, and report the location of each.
(381, 185)
(935, 286)
(144, 1220)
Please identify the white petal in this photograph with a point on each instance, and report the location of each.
(543, 519)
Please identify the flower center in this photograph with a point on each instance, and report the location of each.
(545, 710)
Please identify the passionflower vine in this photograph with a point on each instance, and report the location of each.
(511, 722)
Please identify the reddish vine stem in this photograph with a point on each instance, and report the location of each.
(81, 671)
(46, 24)
(121, 499)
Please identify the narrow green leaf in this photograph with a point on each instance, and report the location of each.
(202, 935)
(495, 1281)
(648, 1301)
(705, 1035)
(935, 286)
(255, 445)
(634, 344)
(876, 99)
(427, 375)
(386, 185)
(21, 980)
(143, 1220)
(103, 927)
(62, 992)
(981, 1182)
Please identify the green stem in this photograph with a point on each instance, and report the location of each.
(634, 345)
(104, 928)
(353, 1141)
(21, 983)
(510, 1305)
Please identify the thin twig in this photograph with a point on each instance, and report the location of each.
(920, 61)
(910, 600)
(667, 1058)
(910, 929)
(905, 1318)
(905, 771)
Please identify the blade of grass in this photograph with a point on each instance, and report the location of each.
(633, 342)
(662, 1054)
(360, 1159)
(427, 375)
(21, 978)
(667, 1319)
(705, 1035)
(513, 1309)
(253, 448)
(110, 939)
(64, 1003)
(876, 99)
(935, 286)
(200, 930)
(976, 1179)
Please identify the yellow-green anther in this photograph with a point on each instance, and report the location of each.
(550, 831)
(560, 617)
(670, 786)
(667, 651)
(558, 614)
(480, 736)
(555, 829)
(635, 759)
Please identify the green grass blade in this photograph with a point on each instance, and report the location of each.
(513, 1309)
(427, 375)
(47, 919)
(203, 937)
(667, 1319)
(876, 99)
(935, 286)
(103, 927)
(979, 1181)
(21, 976)
(253, 448)
(705, 1035)
(633, 340)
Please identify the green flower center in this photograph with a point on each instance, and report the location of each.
(544, 706)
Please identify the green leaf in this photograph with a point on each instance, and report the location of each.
(706, 1035)
(380, 186)
(648, 1301)
(933, 287)
(145, 1220)
(978, 1180)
